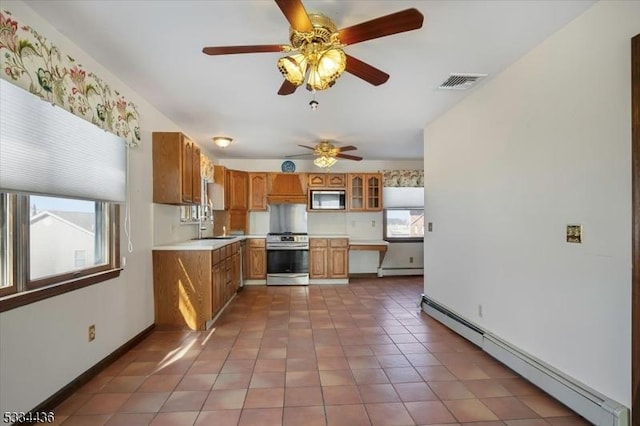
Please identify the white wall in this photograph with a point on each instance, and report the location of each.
(545, 144)
(43, 346)
(342, 166)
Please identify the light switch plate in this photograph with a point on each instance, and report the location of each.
(574, 233)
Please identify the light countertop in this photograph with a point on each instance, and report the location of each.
(212, 244)
(204, 244)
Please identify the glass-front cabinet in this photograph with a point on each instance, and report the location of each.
(365, 191)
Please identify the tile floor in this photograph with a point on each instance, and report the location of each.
(361, 354)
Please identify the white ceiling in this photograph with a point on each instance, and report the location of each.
(155, 47)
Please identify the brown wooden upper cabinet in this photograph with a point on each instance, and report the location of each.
(237, 181)
(327, 180)
(176, 169)
(257, 191)
(364, 191)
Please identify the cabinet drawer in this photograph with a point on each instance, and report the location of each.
(257, 242)
(339, 242)
(318, 242)
(215, 256)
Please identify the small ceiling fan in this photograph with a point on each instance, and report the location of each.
(316, 52)
(326, 153)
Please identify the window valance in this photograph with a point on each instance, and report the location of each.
(30, 61)
(403, 178)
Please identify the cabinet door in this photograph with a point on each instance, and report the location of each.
(235, 272)
(237, 190)
(316, 180)
(356, 192)
(336, 180)
(338, 258)
(318, 254)
(256, 259)
(187, 170)
(196, 179)
(374, 192)
(258, 191)
(217, 288)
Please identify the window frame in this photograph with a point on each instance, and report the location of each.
(399, 239)
(24, 290)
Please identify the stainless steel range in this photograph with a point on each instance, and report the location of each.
(288, 245)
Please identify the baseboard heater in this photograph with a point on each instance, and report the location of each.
(388, 272)
(590, 404)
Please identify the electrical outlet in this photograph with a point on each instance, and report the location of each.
(92, 332)
(123, 262)
(480, 311)
(373, 223)
(430, 226)
(411, 259)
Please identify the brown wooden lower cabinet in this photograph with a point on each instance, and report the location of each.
(328, 258)
(191, 286)
(256, 259)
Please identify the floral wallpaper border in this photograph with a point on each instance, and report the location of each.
(403, 178)
(30, 61)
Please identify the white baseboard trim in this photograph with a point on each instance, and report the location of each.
(587, 402)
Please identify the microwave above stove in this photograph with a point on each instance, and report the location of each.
(324, 199)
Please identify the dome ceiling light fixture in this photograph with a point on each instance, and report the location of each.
(316, 56)
(222, 141)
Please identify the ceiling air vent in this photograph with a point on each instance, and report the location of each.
(461, 81)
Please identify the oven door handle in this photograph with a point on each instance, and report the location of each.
(288, 247)
(288, 275)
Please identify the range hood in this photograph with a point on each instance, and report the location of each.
(287, 188)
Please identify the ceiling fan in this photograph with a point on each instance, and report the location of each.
(316, 52)
(326, 153)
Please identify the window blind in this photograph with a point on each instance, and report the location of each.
(45, 149)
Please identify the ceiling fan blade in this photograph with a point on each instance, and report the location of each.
(399, 22)
(295, 13)
(347, 148)
(299, 155)
(287, 88)
(229, 50)
(308, 147)
(365, 71)
(349, 157)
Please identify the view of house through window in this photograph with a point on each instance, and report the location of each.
(47, 240)
(404, 224)
(65, 235)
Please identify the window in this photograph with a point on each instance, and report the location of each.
(67, 237)
(79, 258)
(65, 244)
(403, 224)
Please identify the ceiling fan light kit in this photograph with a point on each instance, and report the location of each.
(327, 154)
(325, 161)
(222, 141)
